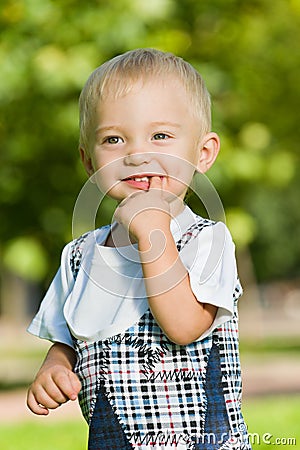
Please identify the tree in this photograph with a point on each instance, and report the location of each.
(248, 54)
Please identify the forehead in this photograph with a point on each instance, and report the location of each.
(155, 100)
(117, 87)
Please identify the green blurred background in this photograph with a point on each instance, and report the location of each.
(249, 55)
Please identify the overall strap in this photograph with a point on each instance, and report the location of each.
(76, 253)
(193, 231)
(225, 339)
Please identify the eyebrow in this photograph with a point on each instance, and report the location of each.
(153, 124)
(169, 124)
(107, 128)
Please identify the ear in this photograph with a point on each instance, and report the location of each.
(86, 161)
(209, 148)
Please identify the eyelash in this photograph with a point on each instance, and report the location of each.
(108, 140)
(166, 136)
(113, 140)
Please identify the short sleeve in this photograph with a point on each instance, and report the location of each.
(211, 264)
(49, 323)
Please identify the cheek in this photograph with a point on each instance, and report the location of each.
(177, 187)
(110, 171)
(105, 177)
(180, 172)
(180, 166)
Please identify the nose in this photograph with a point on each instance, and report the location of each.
(137, 158)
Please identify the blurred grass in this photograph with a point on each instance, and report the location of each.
(45, 436)
(276, 416)
(270, 345)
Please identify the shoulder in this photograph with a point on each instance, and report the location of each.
(75, 249)
(200, 223)
(215, 227)
(98, 235)
(201, 228)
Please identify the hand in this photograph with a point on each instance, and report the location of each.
(53, 386)
(145, 211)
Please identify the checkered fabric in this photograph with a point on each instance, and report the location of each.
(148, 392)
(76, 254)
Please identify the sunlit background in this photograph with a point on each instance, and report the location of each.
(249, 55)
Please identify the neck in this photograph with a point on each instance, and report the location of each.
(118, 237)
(176, 207)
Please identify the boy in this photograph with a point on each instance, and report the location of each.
(134, 311)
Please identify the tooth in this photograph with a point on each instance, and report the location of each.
(141, 179)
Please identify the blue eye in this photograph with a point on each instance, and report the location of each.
(160, 136)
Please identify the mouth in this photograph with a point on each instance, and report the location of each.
(140, 181)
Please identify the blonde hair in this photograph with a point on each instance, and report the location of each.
(118, 75)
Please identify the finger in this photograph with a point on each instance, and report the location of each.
(39, 402)
(51, 393)
(76, 386)
(68, 385)
(124, 202)
(156, 182)
(35, 406)
(50, 397)
(160, 183)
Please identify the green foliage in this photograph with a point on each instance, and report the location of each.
(26, 257)
(248, 53)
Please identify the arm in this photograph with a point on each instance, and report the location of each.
(55, 382)
(172, 302)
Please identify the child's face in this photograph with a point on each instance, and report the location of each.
(149, 131)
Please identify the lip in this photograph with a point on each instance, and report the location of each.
(141, 175)
(142, 185)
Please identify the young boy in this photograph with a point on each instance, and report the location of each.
(143, 313)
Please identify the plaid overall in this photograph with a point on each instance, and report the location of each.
(140, 390)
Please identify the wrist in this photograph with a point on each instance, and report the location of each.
(60, 354)
(153, 245)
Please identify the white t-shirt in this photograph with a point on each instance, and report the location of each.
(109, 293)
